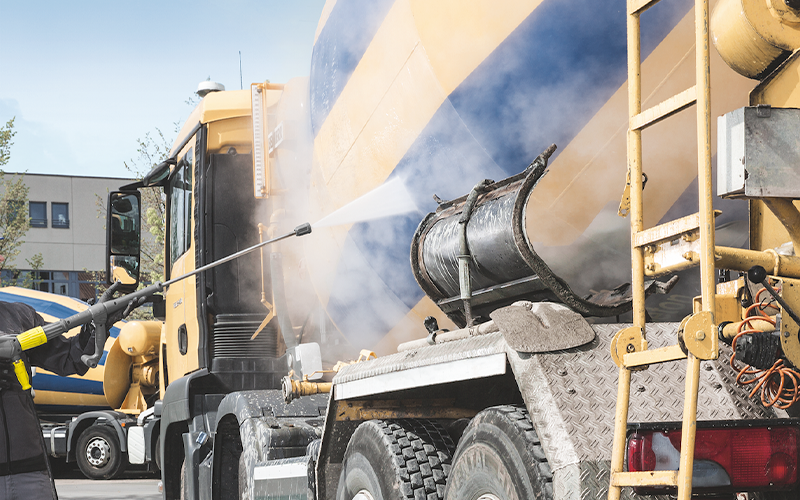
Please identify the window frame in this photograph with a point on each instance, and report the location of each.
(179, 239)
(37, 222)
(57, 223)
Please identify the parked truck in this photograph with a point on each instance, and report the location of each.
(102, 419)
(517, 357)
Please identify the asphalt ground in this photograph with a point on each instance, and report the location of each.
(133, 485)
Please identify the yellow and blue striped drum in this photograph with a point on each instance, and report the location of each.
(53, 393)
(446, 93)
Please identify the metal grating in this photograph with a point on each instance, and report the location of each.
(232, 334)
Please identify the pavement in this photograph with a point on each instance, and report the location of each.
(133, 485)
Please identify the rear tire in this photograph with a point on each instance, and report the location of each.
(98, 453)
(157, 454)
(500, 457)
(183, 481)
(396, 460)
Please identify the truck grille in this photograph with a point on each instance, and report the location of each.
(232, 334)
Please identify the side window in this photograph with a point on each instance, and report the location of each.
(180, 207)
(37, 210)
(60, 214)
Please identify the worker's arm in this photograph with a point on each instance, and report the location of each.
(62, 355)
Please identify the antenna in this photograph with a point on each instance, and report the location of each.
(241, 84)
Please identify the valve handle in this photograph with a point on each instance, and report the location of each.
(758, 274)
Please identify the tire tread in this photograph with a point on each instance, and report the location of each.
(515, 423)
(421, 451)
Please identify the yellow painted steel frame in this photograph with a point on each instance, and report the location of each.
(638, 121)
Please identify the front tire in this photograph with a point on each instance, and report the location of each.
(98, 453)
(396, 460)
(500, 457)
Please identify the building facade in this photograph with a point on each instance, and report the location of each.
(67, 228)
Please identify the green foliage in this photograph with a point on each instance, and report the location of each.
(36, 262)
(7, 133)
(152, 150)
(14, 219)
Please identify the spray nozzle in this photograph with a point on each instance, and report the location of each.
(302, 229)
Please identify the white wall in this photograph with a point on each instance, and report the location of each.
(82, 245)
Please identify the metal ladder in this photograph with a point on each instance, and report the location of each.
(629, 348)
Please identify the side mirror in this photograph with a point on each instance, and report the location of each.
(123, 239)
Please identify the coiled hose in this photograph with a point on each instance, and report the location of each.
(779, 383)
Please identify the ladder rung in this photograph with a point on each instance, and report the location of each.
(639, 6)
(654, 478)
(666, 232)
(664, 109)
(653, 356)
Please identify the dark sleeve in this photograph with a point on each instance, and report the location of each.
(60, 355)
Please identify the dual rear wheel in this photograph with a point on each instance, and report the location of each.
(499, 457)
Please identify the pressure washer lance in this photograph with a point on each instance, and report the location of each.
(11, 347)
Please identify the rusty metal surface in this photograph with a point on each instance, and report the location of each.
(393, 409)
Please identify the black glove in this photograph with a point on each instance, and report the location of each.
(8, 378)
(86, 337)
(119, 315)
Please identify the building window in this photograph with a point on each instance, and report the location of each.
(82, 285)
(37, 210)
(60, 214)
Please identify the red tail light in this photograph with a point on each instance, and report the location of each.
(738, 456)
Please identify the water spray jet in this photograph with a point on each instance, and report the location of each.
(390, 198)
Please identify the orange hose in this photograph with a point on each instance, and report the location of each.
(772, 382)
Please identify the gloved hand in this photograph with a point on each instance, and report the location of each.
(119, 315)
(8, 379)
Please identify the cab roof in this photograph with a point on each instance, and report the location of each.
(213, 107)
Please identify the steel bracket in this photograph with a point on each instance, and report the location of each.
(626, 341)
(699, 335)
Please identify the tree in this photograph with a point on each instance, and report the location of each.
(14, 218)
(7, 133)
(151, 150)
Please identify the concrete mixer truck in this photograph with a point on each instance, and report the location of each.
(98, 420)
(516, 354)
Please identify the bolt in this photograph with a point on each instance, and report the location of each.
(640, 388)
(571, 390)
(651, 267)
(562, 372)
(709, 368)
(717, 386)
(786, 334)
(700, 335)
(630, 348)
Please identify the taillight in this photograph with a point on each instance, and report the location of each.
(740, 456)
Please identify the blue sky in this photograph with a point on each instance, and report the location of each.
(86, 79)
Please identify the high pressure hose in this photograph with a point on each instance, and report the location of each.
(464, 256)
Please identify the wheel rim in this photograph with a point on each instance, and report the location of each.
(363, 495)
(98, 452)
(488, 496)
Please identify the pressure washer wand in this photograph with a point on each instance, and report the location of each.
(300, 230)
(100, 312)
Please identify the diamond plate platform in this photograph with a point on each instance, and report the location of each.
(571, 396)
